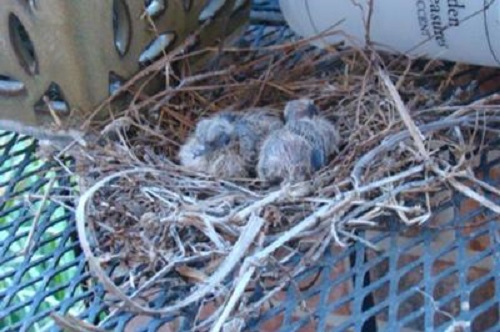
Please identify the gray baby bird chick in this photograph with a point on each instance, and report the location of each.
(213, 148)
(225, 163)
(302, 118)
(285, 157)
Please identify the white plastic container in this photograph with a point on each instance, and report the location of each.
(457, 30)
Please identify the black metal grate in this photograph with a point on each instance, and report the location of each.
(429, 278)
(444, 274)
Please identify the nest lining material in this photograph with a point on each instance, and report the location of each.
(163, 227)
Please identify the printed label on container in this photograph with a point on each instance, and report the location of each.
(457, 30)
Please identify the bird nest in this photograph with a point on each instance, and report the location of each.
(145, 223)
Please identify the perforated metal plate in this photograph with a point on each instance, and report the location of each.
(76, 52)
(442, 274)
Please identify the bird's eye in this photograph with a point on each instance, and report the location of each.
(312, 110)
(317, 159)
(223, 140)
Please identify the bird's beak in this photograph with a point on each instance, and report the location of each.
(201, 151)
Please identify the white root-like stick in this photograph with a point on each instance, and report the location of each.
(361, 222)
(467, 191)
(325, 243)
(335, 236)
(392, 141)
(371, 186)
(483, 184)
(70, 323)
(366, 218)
(474, 195)
(391, 179)
(271, 198)
(214, 221)
(480, 102)
(235, 296)
(213, 235)
(208, 230)
(300, 227)
(247, 236)
(415, 132)
(360, 240)
(401, 208)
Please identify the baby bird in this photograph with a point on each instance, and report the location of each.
(285, 157)
(302, 118)
(300, 148)
(224, 164)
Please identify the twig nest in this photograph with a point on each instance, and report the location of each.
(213, 227)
